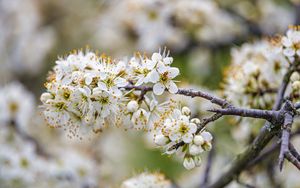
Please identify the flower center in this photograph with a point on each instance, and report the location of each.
(183, 128)
(60, 105)
(104, 100)
(164, 77)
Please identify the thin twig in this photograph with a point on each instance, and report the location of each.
(294, 151)
(201, 126)
(208, 166)
(187, 92)
(290, 157)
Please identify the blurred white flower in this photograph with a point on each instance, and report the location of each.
(16, 105)
(147, 180)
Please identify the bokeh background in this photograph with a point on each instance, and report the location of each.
(200, 35)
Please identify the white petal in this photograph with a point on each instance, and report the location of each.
(103, 75)
(153, 76)
(168, 60)
(161, 68)
(150, 64)
(156, 57)
(187, 138)
(193, 128)
(158, 89)
(289, 52)
(102, 86)
(172, 88)
(121, 82)
(140, 81)
(298, 52)
(174, 136)
(88, 80)
(286, 42)
(207, 136)
(173, 72)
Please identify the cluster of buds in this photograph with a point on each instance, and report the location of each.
(180, 128)
(295, 81)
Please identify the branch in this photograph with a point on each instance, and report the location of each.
(267, 132)
(268, 115)
(294, 151)
(273, 148)
(290, 157)
(285, 137)
(187, 92)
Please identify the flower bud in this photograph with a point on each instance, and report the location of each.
(45, 97)
(196, 121)
(186, 111)
(296, 85)
(207, 146)
(161, 140)
(195, 150)
(295, 77)
(198, 140)
(132, 106)
(197, 160)
(189, 163)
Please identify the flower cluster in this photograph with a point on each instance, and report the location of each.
(86, 91)
(180, 20)
(147, 180)
(89, 92)
(254, 75)
(179, 128)
(20, 162)
(290, 44)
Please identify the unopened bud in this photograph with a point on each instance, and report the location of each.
(295, 77)
(195, 150)
(132, 106)
(197, 160)
(161, 140)
(45, 97)
(207, 146)
(198, 140)
(189, 163)
(186, 111)
(196, 121)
